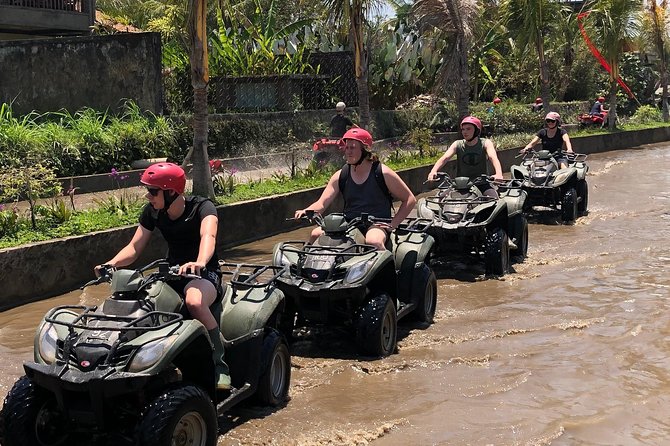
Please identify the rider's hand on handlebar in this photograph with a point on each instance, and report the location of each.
(191, 268)
(99, 269)
(497, 177)
(432, 176)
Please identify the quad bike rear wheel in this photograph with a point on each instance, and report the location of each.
(583, 194)
(182, 415)
(569, 205)
(520, 232)
(30, 416)
(426, 295)
(377, 327)
(496, 254)
(276, 370)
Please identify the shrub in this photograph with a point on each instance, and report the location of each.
(646, 114)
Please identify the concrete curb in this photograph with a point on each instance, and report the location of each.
(47, 269)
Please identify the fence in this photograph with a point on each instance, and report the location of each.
(331, 80)
(58, 5)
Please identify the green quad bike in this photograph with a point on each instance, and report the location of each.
(467, 221)
(339, 281)
(549, 186)
(137, 371)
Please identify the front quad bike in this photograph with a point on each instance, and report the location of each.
(339, 281)
(467, 221)
(136, 371)
(549, 186)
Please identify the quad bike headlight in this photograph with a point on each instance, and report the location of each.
(150, 353)
(358, 271)
(561, 177)
(47, 344)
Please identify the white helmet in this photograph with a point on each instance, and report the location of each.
(340, 106)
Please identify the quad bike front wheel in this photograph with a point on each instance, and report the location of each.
(181, 416)
(276, 370)
(496, 254)
(583, 194)
(569, 205)
(30, 416)
(425, 295)
(377, 327)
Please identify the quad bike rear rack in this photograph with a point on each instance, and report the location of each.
(248, 275)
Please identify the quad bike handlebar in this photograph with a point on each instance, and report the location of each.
(165, 272)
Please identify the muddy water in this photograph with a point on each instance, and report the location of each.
(570, 349)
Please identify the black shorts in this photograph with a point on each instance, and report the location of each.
(212, 276)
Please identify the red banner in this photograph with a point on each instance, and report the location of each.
(597, 54)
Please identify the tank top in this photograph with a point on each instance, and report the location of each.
(367, 198)
(471, 160)
(555, 144)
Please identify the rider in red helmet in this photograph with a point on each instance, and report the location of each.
(598, 109)
(473, 153)
(538, 105)
(366, 186)
(189, 226)
(553, 138)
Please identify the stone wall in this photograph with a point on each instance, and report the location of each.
(75, 72)
(47, 269)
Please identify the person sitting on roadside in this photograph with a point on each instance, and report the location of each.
(553, 138)
(189, 226)
(340, 123)
(367, 186)
(472, 155)
(598, 109)
(538, 105)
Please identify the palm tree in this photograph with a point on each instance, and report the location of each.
(531, 22)
(197, 30)
(453, 18)
(350, 15)
(617, 23)
(656, 21)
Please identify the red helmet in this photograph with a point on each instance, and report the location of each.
(472, 120)
(166, 176)
(538, 100)
(359, 134)
(497, 101)
(553, 116)
(601, 99)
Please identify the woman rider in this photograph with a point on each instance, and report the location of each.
(553, 137)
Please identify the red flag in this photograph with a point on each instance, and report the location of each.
(597, 54)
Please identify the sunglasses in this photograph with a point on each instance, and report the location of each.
(153, 191)
(549, 120)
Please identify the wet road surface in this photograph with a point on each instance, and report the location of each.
(570, 349)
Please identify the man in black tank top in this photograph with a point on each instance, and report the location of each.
(363, 190)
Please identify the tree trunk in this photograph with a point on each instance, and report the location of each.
(462, 93)
(360, 63)
(202, 179)
(544, 75)
(611, 116)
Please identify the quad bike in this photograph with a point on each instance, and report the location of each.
(136, 370)
(467, 221)
(585, 120)
(328, 151)
(339, 281)
(549, 186)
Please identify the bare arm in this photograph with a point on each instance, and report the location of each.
(568, 144)
(532, 143)
(399, 191)
(439, 164)
(208, 229)
(331, 192)
(133, 249)
(492, 154)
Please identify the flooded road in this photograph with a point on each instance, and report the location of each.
(570, 349)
